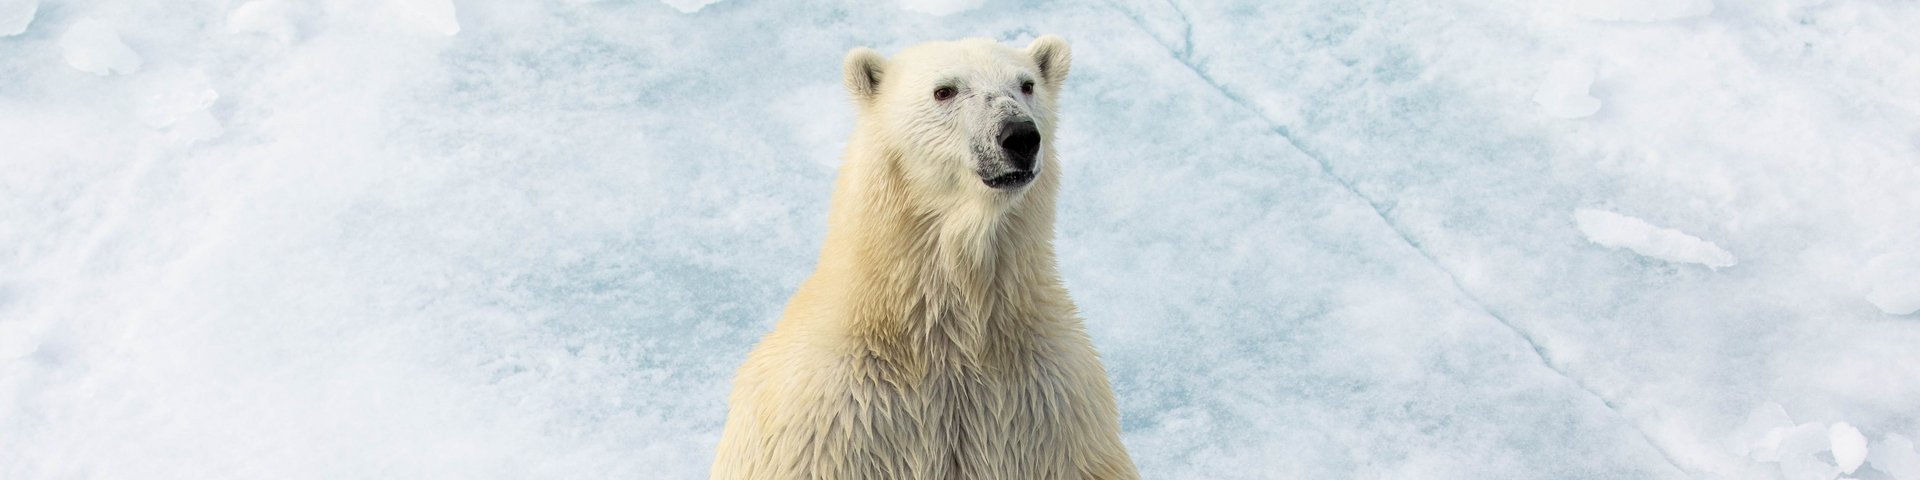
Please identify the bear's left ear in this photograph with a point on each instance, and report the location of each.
(863, 67)
(1051, 54)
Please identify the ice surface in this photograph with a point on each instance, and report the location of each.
(689, 6)
(1563, 94)
(941, 7)
(16, 15)
(433, 16)
(1639, 10)
(94, 47)
(1621, 231)
(1316, 239)
(272, 18)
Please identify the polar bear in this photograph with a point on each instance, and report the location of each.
(934, 339)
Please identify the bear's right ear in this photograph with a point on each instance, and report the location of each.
(1054, 57)
(864, 68)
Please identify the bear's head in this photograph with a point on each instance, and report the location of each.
(966, 118)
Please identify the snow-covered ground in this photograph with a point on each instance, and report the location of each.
(1321, 239)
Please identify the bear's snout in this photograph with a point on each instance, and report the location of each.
(1020, 139)
(1019, 145)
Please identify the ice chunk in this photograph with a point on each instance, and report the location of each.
(94, 47)
(1895, 456)
(1893, 282)
(15, 15)
(1639, 10)
(1621, 231)
(689, 6)
(940, 7)
(1563, 93)
(1849, 446)
(273, 18)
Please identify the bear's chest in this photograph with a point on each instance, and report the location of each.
(1009, 416)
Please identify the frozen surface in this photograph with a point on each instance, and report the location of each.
(1321, 239)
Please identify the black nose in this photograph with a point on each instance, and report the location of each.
(1021, 140)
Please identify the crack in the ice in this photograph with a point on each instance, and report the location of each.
(1184, 55)
(1186, 24)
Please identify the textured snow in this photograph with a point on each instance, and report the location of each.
(1316, 239)
(1621, 231)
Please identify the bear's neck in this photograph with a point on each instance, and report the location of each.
(913, 276)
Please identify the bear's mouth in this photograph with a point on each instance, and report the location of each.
(1010, 179)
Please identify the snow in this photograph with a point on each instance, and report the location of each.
(1794, 448)
(1639, 10)
(94, 47)
(1563, 94)
(1893, 280)
(1316, 239)
(1621, 231)
(689, 6)
(16, 15)
(272, 18)
(1758, 431)
(431, 16)
(1799, 449)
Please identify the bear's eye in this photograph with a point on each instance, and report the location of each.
(1026, 87)
(943, 93)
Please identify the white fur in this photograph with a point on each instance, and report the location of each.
(934, 340)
